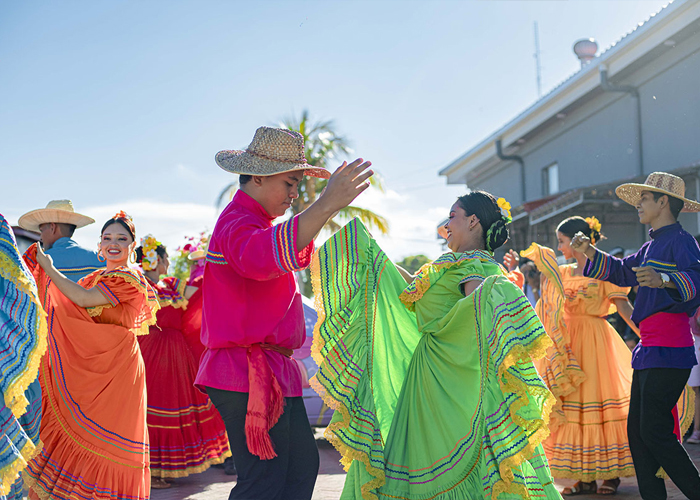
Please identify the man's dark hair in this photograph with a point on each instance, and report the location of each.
(66, 230)
(675, 204)
(244, 179)
(524, 261)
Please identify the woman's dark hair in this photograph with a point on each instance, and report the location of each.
(485, 207)
(674, 204)
(160, 250)
(123, 223)
(569, 227)
(244, 179)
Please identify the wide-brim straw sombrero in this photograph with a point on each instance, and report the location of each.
(58, 212)
(273, 151)
(658, 182)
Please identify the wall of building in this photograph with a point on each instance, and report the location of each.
(671, 111)
(597, 143)
(503, 184)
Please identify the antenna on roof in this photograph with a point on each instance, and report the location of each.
(537, 60)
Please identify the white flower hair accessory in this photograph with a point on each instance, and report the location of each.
(149, 246)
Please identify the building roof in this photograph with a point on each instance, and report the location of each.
(640, 44)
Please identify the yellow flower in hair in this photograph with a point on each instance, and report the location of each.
(149, 246)
(505, 208)
(594, 223)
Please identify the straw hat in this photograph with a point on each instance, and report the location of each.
(197, 254)
(273, 151)
(658, 182)
(57, 211)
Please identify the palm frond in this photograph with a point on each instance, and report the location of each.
(371, 219)
(226, 195)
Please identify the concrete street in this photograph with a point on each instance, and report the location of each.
(215, 485)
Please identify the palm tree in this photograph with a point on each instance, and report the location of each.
(322, 145)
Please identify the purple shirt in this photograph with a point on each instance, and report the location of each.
(672, 251)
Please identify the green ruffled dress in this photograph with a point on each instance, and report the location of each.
(436, 396)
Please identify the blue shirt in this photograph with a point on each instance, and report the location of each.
(73, 260)
(672, 251)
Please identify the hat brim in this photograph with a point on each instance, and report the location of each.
(631, 193)
(196, 255)
(31, 220)
(242, 162)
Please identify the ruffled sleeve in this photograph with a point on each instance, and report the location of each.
(172, 292)
(474, 266)
(559, 368)
(129, 289)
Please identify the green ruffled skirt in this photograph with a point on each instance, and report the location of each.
(429, 406)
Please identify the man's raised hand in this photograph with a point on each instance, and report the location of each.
(347, 183)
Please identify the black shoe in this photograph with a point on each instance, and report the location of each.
(229, 467)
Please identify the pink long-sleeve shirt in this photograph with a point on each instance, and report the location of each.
(250, 296)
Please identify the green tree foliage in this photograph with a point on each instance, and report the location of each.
(324, 147)
(413, 263)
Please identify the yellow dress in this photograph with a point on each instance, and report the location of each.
(591, 443)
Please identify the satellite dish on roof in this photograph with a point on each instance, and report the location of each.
(586, 50)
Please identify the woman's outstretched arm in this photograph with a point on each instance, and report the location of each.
(80, 296)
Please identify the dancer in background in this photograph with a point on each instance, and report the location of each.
(186, 432)
(56, 223)
(93, 382)
(23, 343)
(435, 394)
(588, 369)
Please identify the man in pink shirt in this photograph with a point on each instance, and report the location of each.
(252, 311)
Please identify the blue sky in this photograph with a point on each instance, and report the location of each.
(124, 104)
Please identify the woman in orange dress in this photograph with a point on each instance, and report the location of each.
(588, 370)
(187, 434)
(93, 380)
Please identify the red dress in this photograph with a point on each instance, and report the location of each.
(186, 432)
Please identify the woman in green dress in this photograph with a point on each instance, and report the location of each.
(435, 393)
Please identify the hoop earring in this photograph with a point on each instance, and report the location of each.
(100, 257)
(132, 257)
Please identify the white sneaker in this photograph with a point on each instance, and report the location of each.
(694, 438)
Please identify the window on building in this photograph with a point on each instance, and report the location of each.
(550, 180)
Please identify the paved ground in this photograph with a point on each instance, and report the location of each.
(215, 485)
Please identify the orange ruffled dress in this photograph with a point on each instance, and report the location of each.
(94, 391)
(187, 434)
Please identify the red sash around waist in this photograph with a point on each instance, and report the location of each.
(666, 330)
(265, 399)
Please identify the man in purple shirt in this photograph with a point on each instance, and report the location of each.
(667, 270)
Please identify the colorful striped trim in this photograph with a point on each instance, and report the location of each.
(171, 292)
(79, 269)
(109, 295)
(472, 277)
(432, 271)
(685, 285)
(23, 327)
(661, 266)
(600, 266)
(681, 279)
(284, 242)
(216, 258)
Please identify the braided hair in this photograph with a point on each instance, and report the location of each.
(485, 207)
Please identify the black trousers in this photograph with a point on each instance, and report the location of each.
(655, 391)
(289, 476)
